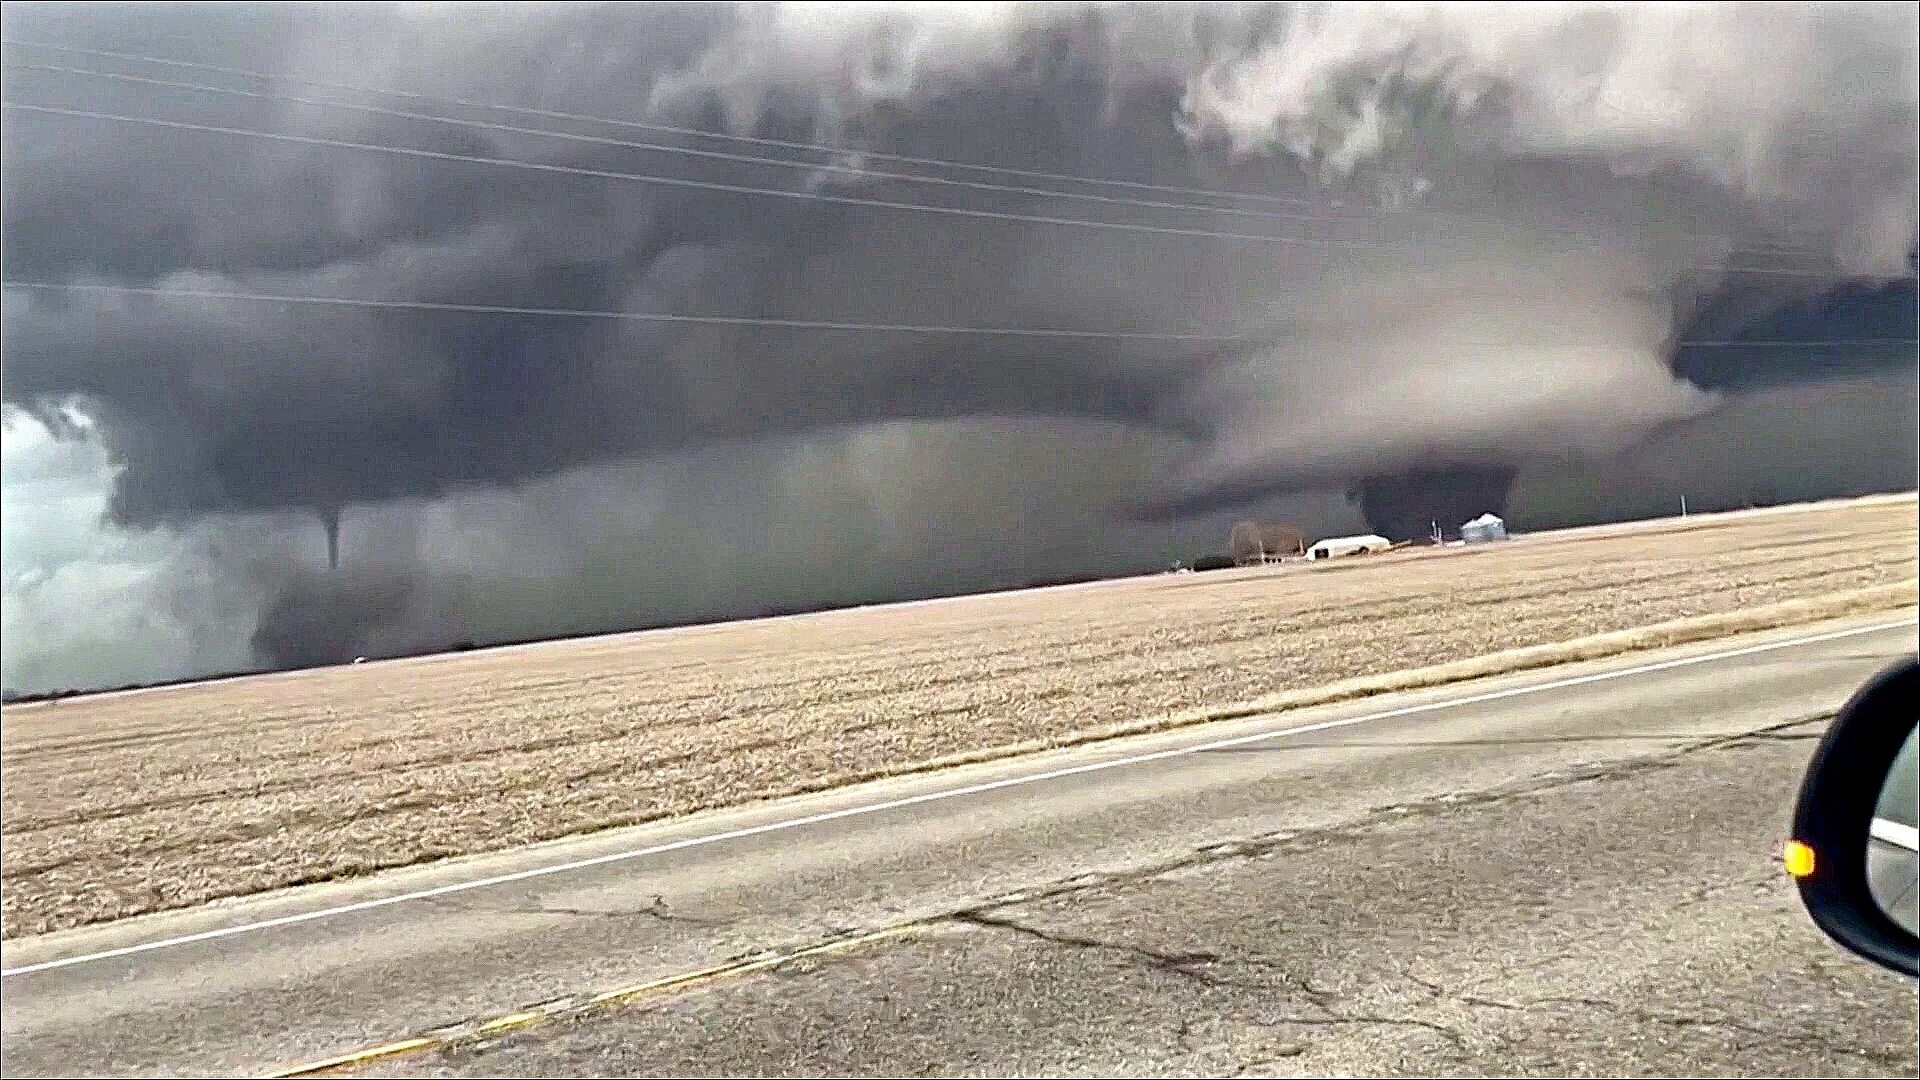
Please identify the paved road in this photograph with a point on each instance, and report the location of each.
(1577, 879)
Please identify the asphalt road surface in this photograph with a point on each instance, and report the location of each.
(1519, 875)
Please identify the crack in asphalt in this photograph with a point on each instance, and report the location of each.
(1195, 966)
(1247, 848)
(1203, 967)
(657, 908)
(1210, 970)
(1199, 966)
(1190, 965)
(1796, 1037)
(1265, 844)
(1647, 1016)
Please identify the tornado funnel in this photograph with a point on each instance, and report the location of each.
(330, 520)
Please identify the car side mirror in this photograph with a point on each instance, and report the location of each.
(1855, 849)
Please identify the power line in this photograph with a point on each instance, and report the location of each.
(664, 129)
(819, 324)
(669, 129)
(754, 159)
(743, 189)
(715, 155)
(684, 182)
(639, 316)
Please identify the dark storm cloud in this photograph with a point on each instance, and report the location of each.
(1502, 220)
(234, 405)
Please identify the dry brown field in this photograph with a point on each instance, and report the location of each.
(120, 804)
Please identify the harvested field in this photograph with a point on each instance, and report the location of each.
(128, 803)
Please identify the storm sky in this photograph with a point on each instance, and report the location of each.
(1361, 264)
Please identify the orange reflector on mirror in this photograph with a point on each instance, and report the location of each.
(1798, 858)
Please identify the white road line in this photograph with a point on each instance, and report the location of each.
(934, 796)
(1893, 832)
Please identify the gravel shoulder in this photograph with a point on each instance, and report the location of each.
(124, 804)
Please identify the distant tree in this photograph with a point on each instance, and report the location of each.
(1281, 539)
(1255, 542)
(1243, 543)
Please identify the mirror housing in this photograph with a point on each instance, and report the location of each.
(1833, 820)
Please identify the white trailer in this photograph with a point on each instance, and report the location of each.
(1335, 546)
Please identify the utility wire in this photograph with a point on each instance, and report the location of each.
(640, 316)
(663, 129)
(687, 151)
(684, 182)
(743, 189)
(818, 324)
(752, 159)
(669, 129)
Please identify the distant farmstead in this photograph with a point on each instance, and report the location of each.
(1256, 543)
(1335, 546)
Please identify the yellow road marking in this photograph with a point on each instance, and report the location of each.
(528, 1017)
(510, 1021)
(747, 967)
(624, 993)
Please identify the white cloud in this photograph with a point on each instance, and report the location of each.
(86, 603)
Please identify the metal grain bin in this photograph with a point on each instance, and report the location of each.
(1482, 529)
